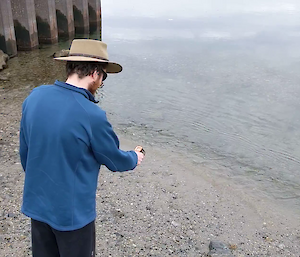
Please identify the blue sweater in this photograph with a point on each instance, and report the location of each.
(64, 139)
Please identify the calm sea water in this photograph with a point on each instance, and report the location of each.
(217, 80)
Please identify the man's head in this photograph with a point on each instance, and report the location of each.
(83, 69)
(88, 62)
(94, 73)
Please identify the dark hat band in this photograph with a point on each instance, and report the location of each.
(89, 55)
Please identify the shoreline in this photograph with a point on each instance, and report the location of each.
(170, 205)
(167, 206)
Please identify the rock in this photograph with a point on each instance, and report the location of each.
(3, 59)
(117, 213)
(232, 247)
(11, 215)
(4, 78)
(218, 249)
(61, 53)
(175, 224)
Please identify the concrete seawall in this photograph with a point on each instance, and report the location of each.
(24, 24)
(7, 31)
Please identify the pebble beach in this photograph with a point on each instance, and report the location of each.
(168, 206)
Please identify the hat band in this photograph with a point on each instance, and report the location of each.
(89, 55)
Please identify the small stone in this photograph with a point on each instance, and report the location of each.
(61, 53)
(23, 237)
(232, 247)
(4, 78)
(218, 249)
(175, 224)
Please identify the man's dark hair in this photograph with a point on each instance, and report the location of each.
(83, 69)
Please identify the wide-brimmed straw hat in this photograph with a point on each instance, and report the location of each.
(90, 50)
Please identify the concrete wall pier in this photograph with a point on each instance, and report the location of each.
(7, 31)
(65, 18)
(25, 24)
(94, 15)
(46, 21)
(81, 16)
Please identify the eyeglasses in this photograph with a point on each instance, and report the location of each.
(103, 77)
(104, 74)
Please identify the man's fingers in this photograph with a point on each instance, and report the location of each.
(140, 157)
(140, 149)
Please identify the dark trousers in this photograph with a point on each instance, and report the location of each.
(49, 242)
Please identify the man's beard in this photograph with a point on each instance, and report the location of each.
(92, 88)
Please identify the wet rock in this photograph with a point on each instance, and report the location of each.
(3, 60)
(218, 249)
(61, 53)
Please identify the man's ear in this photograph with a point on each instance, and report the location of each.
(94, 74)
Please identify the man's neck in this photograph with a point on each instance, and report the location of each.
(74, 80)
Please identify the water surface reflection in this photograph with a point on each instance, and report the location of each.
(217, 79)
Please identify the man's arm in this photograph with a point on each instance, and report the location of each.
(23, 147)
(105, 146)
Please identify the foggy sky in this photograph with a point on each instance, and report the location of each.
(196, 8)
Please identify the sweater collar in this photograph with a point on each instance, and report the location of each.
(82, 91)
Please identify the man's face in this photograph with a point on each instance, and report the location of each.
(97, 83)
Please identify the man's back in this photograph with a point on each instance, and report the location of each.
(64, 139)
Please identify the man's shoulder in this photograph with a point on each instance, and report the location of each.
(35, 92)
(94, 111)
(43, 87)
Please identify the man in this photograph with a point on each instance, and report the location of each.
(64, 139)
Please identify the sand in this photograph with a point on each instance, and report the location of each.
(168, 206)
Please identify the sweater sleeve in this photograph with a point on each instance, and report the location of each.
(105, 146)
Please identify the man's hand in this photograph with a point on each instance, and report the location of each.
(140, 157)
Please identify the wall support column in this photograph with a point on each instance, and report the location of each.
(46, 21)
(25, 24)
(94, 15)
(65, 18)
(7, 31)
(81, 16)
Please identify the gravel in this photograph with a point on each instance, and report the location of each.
(168, 206)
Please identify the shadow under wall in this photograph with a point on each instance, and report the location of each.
(62, 24)
(44, 30)
(22, 36)
(93, 20)
(8, 46)
(78, 22)
(3, 43)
